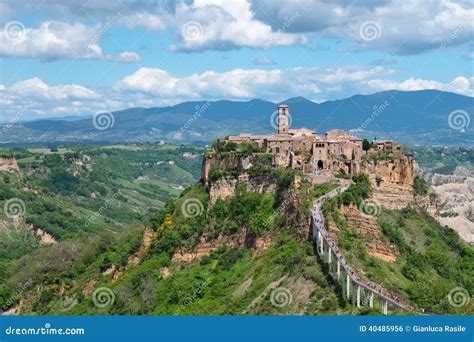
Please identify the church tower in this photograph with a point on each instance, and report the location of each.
(283, 119)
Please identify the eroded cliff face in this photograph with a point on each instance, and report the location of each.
(212, 160)
(296, 221)
(226, 187)
(9, 164)
(208, 245)
(392, 181)
(367, 228)
(238, 165)
(455, 199)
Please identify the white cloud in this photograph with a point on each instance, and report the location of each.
(127, 57)
(148, 87)
(274, 84)
(405, 27)
(148, 20)
(262, 60)
(461, 85)
(54, 40)
(35, 87)
(33, 98)
(225, 24)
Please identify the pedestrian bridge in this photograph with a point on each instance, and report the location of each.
(361, 293)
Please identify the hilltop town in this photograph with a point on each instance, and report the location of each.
(334, 152)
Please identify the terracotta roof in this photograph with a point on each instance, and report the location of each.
(280, 138)
(383, 141)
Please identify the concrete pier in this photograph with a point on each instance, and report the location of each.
(352, 285)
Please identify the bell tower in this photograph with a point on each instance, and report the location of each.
(283, 119)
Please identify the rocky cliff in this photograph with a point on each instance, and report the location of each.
(9, 164)
(223, 172)
(366, 226)
(455, 199)
(392, 180)
(225, 187)
(227, 162)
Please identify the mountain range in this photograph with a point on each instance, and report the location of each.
(413, 117)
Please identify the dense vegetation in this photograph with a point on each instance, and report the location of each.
(131, 186)
(142, 289)
(81, 191)
(432, 261)
(444, 159)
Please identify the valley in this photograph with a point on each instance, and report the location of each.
(133, 219)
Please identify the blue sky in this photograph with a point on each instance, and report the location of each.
(79, 57)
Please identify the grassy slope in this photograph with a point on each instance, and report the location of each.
(62, 204)
(433, 260)
(226, 282)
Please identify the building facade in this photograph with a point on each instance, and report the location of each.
(304, 149)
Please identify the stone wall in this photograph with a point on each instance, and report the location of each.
(392, 181)
(229, 162)
(367, 228)
(225, 187)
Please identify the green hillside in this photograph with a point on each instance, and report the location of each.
(89, 189)
(433, 259)
(259, 257)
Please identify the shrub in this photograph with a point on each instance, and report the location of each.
(420, 186)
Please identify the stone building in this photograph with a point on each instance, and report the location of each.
(304, 149)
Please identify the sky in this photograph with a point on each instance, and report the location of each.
(78, 57)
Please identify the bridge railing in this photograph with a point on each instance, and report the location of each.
(319, 225)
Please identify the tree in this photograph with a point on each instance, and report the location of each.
(366, 145)
(420, 186)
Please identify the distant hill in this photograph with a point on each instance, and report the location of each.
(414, 117)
